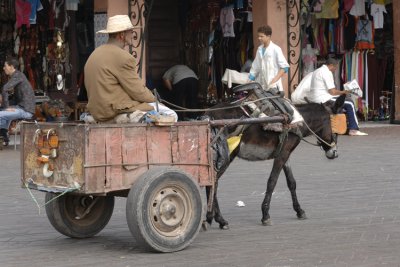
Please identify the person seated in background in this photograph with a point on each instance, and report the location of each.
(183, 84)
(24, 98)
(111, 79)
(323, 89)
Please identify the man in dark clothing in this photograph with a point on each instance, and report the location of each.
(183, 84)
(24, 98)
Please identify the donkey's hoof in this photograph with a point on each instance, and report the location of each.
(224, 226)
(302, 216)
(205, 225)
(267, 222)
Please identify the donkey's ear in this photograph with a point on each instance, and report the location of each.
(337, 107)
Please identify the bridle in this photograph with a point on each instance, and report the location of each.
(331, 145)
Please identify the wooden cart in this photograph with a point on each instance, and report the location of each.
(160, 170)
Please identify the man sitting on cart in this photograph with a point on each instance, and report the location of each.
(111, 79)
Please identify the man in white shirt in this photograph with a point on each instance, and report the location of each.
(270, 64)
(323, 89)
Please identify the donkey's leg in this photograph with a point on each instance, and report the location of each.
(223, 224)
(215, 212)
(210, 213)
(291, 183)
(273, 178)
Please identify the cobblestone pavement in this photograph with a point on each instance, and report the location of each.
(352, 204)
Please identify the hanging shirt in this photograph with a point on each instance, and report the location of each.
(267, 64)
(347, 5)
(318, 6)
(365, 35)
(309, 57)
(329, 10)
(377, 11)
(23, 12)
(36, 5)
(227, 18)
(71, 5)
(239, 4)
(358, 8)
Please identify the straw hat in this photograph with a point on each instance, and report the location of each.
(118, 23)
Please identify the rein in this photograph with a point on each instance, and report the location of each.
(318, 138)
(242, 104)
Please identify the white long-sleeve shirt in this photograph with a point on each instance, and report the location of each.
(267, 64)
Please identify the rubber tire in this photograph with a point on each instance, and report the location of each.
(63, 218)
(139, 203)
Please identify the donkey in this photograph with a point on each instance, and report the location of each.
(257, 144)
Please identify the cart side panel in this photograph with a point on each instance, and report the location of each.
(117, 155)
(134, 154)
(95, 160)
(159, 146)
(188, 150)
(206, 174)
(191, 152)
(114, 158)
(67, 166)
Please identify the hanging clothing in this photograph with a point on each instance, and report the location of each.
(318, 6)
(309, 57)
(358, 8)
(23, 12)
(329, 10)
(331, 36)
(349, 33)
(36, 5)
(71, 5)
(239, 4)
(365, 35)
(227, 18)
(339, 36)
(347, 5)
(376, 71)
(377, 11)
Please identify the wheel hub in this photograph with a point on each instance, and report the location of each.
(169, 211)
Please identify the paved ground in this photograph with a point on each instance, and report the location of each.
(353, 206)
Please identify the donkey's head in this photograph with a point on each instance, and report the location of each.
(329, 137)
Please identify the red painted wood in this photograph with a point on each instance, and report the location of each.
(114, 158)
(95, 155)
(188, 143)
(159, 145)
(133, 152)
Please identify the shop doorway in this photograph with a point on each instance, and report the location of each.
(163, 42)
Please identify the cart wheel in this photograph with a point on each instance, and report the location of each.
(79, 216)
(164, 210)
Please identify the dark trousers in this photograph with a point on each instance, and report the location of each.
(184, 94)
(351, 114)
